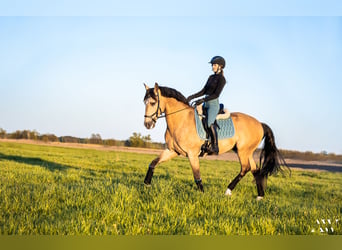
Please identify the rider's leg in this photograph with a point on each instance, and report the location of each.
(213, 109)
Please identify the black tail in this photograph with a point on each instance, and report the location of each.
(271, 160)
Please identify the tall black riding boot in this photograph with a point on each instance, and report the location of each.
(214, 141)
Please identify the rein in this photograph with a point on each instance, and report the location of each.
(174, 112)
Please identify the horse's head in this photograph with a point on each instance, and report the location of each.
(152, 106)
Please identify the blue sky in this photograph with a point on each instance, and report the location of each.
(171, 8)
(83, 75)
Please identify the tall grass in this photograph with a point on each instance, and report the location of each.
(66, 191)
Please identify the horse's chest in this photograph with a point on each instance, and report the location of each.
(173, 145)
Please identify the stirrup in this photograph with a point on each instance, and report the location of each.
(212, 151)
(204, 148)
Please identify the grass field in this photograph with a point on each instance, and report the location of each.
(68, 191)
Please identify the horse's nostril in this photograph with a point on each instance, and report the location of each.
(148, 125)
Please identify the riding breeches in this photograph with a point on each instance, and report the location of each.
(213, 107)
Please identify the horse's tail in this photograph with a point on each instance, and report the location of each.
(271, 160)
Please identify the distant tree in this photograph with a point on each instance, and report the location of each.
(95, 139)
(137, 140)
(69, 139)
(48, 137)
(3, 133)
(16, 135)
(147, 138)
(112, 142)
(25, 134)
(33, 135)
(44, 138)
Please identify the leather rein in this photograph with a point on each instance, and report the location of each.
(154, 119)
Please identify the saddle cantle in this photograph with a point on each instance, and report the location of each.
(222, 114)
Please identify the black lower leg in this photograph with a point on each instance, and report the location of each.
(149, 175)
(260, 189)
(199, 185)
(258, 179)
(232, 185)
(214, 140)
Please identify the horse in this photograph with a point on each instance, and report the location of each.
(181, 139)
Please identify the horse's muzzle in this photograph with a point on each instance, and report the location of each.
(149, 123)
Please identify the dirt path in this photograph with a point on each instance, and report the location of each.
(230, 156)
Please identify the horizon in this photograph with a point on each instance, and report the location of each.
(138, 134)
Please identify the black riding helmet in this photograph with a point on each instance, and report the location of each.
(218, 60)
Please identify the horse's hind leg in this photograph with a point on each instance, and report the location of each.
(259, 179)
(245, 167)
(164, 156)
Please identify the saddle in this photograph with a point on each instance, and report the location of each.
(222, 114)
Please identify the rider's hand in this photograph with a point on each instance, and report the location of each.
(199, 102)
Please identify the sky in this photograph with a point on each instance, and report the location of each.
(77, 74)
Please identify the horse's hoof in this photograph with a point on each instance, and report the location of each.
(228, 192)
(259, 198)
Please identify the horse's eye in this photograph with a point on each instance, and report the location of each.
(153, 103)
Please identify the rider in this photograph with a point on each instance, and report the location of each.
(212, 91)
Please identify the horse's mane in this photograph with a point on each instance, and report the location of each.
(167, 92)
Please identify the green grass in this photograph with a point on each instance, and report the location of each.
(66, 191)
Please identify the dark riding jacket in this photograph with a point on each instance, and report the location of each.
(212, 88)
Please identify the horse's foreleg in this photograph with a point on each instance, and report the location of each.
(194, 162)
(164, 156)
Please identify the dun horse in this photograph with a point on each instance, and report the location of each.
(181, 139)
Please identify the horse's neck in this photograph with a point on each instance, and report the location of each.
(177, 112)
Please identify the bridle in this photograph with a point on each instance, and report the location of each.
(154, 119)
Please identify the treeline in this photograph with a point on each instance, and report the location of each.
(310, 156)
(136, 140)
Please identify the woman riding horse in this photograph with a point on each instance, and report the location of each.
(182, 139)
(212, 91)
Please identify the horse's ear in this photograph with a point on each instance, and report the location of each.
(156, 88)
(146, 87)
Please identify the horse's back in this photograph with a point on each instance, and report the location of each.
(242, 117)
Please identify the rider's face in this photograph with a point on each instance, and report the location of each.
(215, 67)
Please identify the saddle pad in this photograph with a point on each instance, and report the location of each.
(225, 130)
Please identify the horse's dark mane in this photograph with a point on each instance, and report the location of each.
(167, 92)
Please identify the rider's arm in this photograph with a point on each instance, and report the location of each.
(201, 92)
